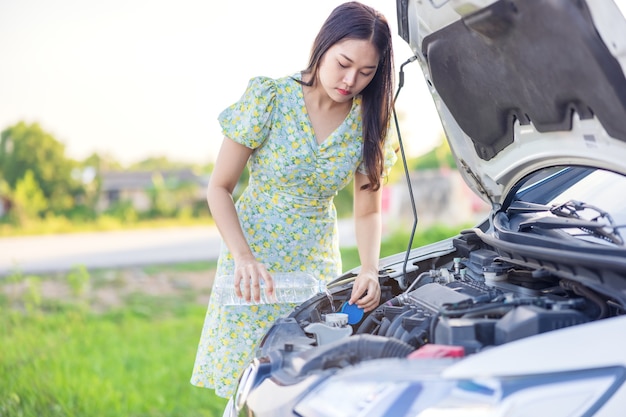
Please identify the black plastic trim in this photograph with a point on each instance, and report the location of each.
(533, 61)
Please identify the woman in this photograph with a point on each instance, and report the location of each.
(304, 137)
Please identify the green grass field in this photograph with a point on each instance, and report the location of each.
(107, 343)
(129, 362)
(75, 355)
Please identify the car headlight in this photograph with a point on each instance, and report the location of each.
(577, 393)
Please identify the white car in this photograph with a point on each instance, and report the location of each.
(522, 315)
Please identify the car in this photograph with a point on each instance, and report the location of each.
(523, 314)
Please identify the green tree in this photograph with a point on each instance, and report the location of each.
(27, 147)
(28, 198)
(162, 200)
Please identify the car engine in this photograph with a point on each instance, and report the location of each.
(462, 293)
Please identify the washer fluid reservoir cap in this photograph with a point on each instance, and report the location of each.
(354, 312)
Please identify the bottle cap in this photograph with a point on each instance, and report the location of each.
(354, 312)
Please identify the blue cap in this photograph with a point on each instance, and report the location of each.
(354, 312)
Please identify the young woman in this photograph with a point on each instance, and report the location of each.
(304, 137)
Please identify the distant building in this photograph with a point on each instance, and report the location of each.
(135, 186)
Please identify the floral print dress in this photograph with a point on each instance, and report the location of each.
(286, 213)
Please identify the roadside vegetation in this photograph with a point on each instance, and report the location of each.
(111, 343)
(44, 191)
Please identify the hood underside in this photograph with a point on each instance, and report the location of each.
(521, 85)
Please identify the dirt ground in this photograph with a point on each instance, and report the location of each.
(106, 289)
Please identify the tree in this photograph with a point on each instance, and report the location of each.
(27, 147)
(28, 199)
(162, 202)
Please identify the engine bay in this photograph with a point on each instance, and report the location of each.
(467, 296)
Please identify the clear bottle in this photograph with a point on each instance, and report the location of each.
(289, 287)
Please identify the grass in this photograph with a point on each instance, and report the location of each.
(181, 267)
(74, 364)
(124, 363)
(63, 357)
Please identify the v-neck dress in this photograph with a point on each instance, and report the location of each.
(286, 212)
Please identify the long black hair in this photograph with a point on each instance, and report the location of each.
(354, 20)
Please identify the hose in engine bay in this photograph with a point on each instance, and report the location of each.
(352, 350)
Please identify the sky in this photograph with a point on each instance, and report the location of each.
(146, 78)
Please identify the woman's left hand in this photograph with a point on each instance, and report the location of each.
(366, 283)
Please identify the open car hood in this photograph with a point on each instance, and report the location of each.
(523, 84)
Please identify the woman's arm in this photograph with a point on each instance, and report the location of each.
(228, 168)
(367, 222)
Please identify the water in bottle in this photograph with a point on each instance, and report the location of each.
(289, 287)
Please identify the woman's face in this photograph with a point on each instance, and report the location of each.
(347, 68)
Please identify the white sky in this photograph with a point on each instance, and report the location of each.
(139, 78)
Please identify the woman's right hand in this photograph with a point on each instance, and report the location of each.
(229, 165)
(248, 274)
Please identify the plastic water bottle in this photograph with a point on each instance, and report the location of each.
(289, 287)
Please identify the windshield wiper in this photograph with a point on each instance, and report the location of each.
(568, 216)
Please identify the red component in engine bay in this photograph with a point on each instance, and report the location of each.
(432, 350)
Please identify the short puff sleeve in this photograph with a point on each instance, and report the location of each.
(390, 157)
(248, 121)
